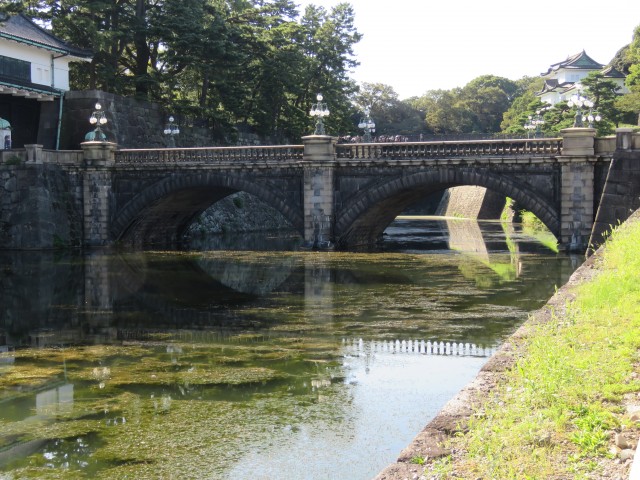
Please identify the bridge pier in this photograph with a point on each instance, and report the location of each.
(577, 188)
(96, 185)
(318, 190)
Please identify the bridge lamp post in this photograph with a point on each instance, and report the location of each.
(99, 119)
(579, 102)
(591, 117)
(319, 110)
(171, 130)
(534, 123)
(368, 125)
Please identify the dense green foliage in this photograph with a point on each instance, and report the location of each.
(257, 65)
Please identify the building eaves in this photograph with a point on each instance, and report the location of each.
(21, 29)
(611, 72)
(580, 61)
(27, 89)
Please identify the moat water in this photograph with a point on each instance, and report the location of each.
(262, 363)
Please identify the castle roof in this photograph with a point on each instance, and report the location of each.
(19, 28)
(579, 61)
(611, 72)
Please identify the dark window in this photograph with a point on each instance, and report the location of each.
(14, 69)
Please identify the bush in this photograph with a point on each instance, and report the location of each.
(13, 160)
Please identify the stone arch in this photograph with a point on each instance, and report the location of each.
(161, 212)
(364, 217)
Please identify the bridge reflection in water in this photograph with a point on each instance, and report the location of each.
(258, 358)
(359, 346)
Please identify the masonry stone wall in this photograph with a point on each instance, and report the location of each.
(40, 207)
(131, 123)
(470, 201)
(621, 195)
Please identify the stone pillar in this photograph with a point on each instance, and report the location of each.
(624, 138)
(577, 184)
(319, 167)
(34, 153)
(96, 189)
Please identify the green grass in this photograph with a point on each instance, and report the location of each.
(553, 415)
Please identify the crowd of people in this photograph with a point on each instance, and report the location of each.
(379, 139)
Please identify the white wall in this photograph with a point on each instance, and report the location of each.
(40, 60)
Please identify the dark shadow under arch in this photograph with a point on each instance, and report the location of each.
(160, 214)
(364, 217)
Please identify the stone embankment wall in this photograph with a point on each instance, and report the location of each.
(40, 206)
(240, 212)
(621, 192)
(471, 202)
(133, 123)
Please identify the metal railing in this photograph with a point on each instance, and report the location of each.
(419, 150)
(210, 155)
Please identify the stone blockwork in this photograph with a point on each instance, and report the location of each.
(40, 207)
(330, 196)
(369, 196)
(471, 202)
(620, 197)
(130, 123)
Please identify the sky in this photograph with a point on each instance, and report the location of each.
(420, 45)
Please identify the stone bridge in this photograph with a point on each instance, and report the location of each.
(334, 194)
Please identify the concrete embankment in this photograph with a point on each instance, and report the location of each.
(454, 417)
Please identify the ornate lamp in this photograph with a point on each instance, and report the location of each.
(171, 129)
(98, 118)
(368, 125)
(319, 110)
(579, 101)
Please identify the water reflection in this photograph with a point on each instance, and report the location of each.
(236, 364)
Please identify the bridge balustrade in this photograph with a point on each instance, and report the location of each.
(545, 146)
(209, 154)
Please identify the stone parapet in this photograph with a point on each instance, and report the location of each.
(98, 154)
(319, 148)
(578, 141)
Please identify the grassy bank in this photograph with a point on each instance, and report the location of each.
(557, 411)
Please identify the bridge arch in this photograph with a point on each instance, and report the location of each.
(364, 217)
(161, 212)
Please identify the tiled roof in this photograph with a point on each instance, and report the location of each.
(20, 29)
(28, 86)
(578, 61)
(611, 72)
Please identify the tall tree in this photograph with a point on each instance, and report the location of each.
(487, 98)
(603, 93)
(630, 103)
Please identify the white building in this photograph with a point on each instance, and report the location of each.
(34, 74)
(562, 79)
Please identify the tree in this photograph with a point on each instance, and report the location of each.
(445, 113)
(486, 98)
(603, 94)
(630, 103)
(391, 115)
(525, 104)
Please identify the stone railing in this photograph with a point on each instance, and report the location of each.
(604, 145)
(210, 155)
(35, 154)
(513, 147)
